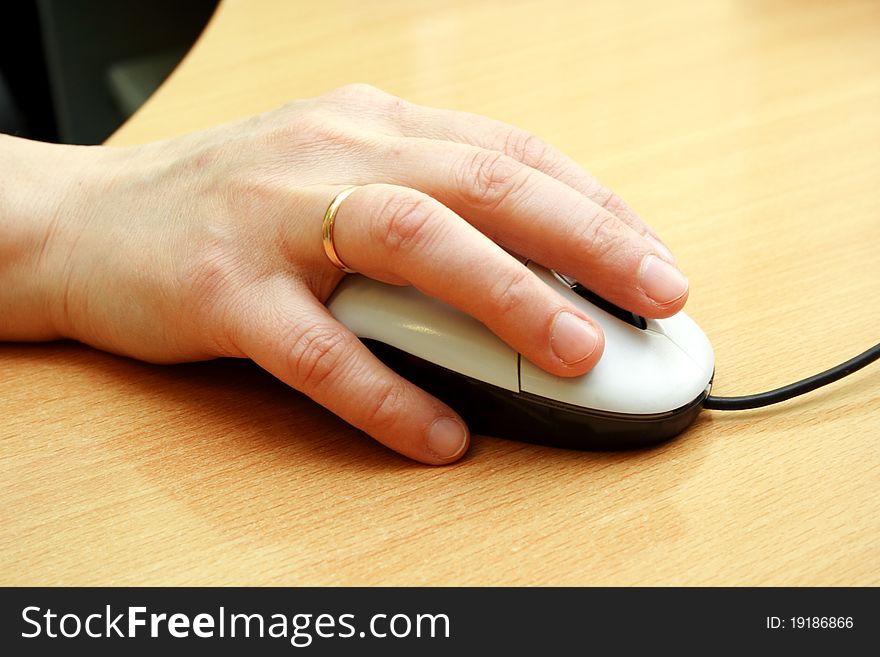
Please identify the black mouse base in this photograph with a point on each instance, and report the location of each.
(495, 411)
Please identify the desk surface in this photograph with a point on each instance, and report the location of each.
(747, 133)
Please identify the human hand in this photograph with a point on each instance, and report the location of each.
(210, 245)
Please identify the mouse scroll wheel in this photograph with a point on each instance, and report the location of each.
(568, 280)
(621, 313)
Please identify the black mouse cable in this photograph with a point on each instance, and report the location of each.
(794, 389)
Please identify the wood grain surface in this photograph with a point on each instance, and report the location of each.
(747, 133)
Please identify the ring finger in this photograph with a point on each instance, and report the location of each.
(399, 235)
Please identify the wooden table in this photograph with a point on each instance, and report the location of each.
(748, 133)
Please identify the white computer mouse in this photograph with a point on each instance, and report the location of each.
(648, 386)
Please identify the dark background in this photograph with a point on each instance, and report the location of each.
(72, 71)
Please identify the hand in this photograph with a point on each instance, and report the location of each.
(210, 245)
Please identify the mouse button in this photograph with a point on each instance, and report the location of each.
(639, 373)
(568, 280)
(616, 311)
(587, 294)
(684, 332)
(403, 317)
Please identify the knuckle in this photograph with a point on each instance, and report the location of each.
(247, 195)
(607, 199)
(308, 121)
(315, 354)
(406, 221)
(358, 90)
(526, 148)
(509, 293)
(487, 178)
(363, 98)
(291, 107)
(314, 130)
(385, 407)
(599, 233)
(359, 95)
(613, 203)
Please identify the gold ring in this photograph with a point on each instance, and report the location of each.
(329, 220)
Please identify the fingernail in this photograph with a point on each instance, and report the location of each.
(661, 281)
(447, 438)
(572, 338)
(661, 248)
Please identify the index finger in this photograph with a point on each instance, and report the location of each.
(527, 148)
(538, 216)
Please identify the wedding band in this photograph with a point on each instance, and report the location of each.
(329, 220)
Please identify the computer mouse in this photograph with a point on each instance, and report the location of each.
(648, 386)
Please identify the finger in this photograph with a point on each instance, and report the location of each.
(291, 335)
(540, 217)
(521, 145)
(399, 235)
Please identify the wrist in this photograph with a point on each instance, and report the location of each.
(42, 195)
